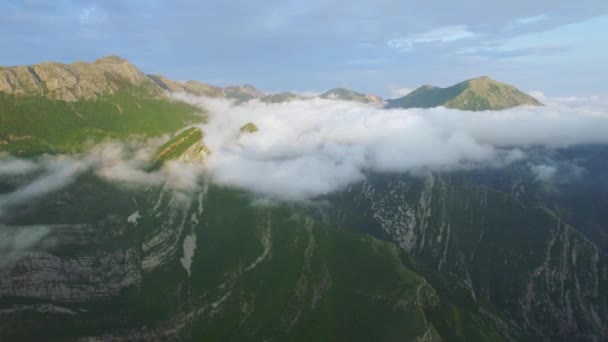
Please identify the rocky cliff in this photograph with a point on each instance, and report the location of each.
(525, 260)
(70, 82)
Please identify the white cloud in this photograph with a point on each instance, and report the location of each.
(441, 35)
(524, 21)
(543, 173)
(123, 163)
(312, 147)
(10, 166)
(59, 172)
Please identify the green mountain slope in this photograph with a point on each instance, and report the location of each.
(157, 264)
(350, 95)
(477, 94)
(467, 255)
(35, 124)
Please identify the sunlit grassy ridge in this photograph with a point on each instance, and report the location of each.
(175, 147)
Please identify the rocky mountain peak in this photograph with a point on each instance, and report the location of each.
(70, 82)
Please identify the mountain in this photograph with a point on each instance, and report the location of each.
(189, 87)
(455, 224)
(483, 254)
(243, 93)
(463, 256)
(54, 107)
(477, 94)
(350, 95)
(71, 82)
(161, 264)
(279, 97)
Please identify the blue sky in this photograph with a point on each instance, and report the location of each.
(384, 47)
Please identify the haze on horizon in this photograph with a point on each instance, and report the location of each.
(382, 47)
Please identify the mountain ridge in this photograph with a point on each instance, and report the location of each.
(345, 94)
(109, 74)
(70, 82)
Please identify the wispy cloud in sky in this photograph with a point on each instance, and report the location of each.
(320, 44)
(438, 35)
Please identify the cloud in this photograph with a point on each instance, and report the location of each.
(543, 173)
(17, 240)
(440, 35)
(499, 52)
(10, 166)
(59, 172)
(123, 163)
(524, 21)
(312, 147)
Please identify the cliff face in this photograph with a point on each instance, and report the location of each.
(529, 264)
(70, 82)
(206, 256)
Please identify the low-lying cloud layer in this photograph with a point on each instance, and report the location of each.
(123, 163)
(311, 147)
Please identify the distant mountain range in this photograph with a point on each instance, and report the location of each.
(80, 80)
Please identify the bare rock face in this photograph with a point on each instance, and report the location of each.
(550, 279)
(20, 80)
(70, 82)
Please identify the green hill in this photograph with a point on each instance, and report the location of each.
(477, 94)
